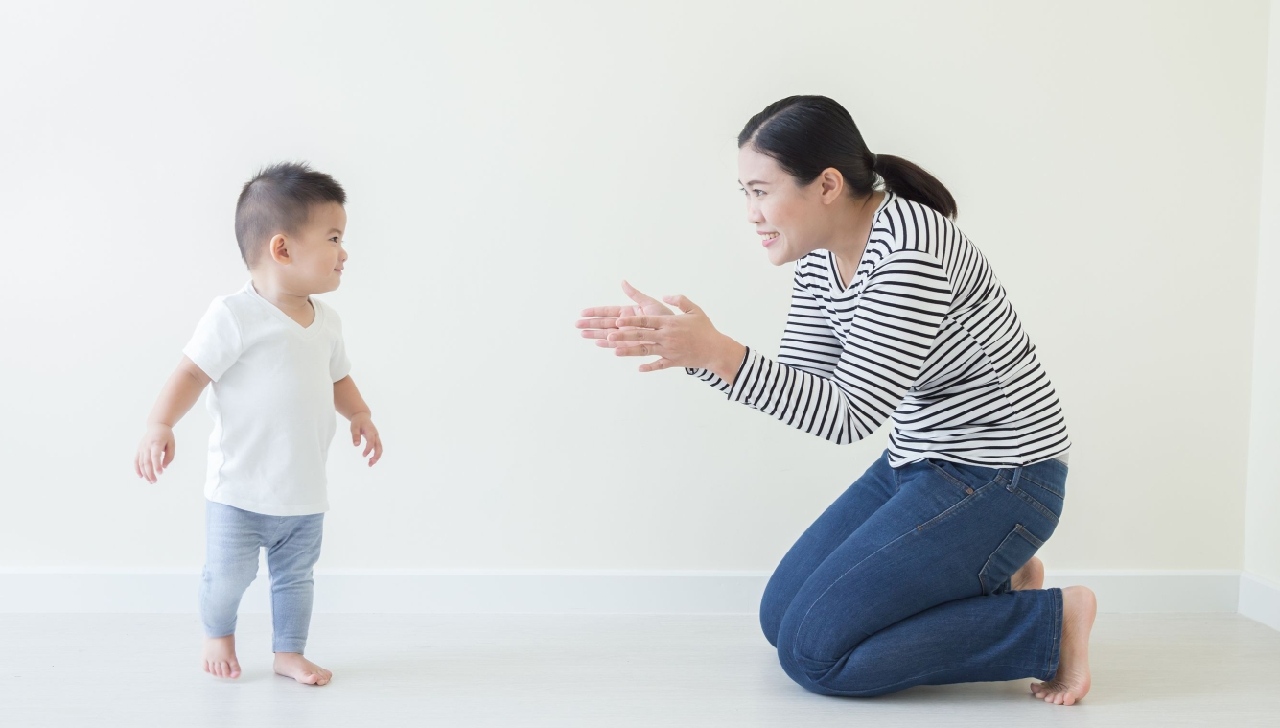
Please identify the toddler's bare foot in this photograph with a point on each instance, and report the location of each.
(1030, 576)
(220, 657)
(1071, 683)
(294, 665)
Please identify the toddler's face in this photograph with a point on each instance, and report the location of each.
(316, 251)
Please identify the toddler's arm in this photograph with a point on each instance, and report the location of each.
(177, 397)
(349, 403)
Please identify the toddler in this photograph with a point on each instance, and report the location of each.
(278, 368)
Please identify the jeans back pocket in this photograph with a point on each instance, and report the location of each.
(1016, 549)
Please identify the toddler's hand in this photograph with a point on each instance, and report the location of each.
(362, 426)
(155, 452)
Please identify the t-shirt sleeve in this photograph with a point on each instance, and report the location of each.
(339, 364)
(217, 342)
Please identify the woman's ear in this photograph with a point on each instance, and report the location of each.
(278, 249)
(832, 184)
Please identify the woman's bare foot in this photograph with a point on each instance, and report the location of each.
(1030, 576)
(220, 657)
(294, 665)
(1071, 684)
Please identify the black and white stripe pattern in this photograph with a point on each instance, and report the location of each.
(924, 333)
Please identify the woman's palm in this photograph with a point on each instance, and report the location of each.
(599, 321)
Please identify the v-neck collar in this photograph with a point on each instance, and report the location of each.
(833, 269)
(288, 321)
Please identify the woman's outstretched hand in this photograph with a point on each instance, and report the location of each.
(651, 329)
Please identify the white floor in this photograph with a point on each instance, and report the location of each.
(141, 670)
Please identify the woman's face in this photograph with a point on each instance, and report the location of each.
(788, 218)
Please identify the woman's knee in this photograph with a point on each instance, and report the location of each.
(787, 638)
(777, 598)
(770, 621)
(816, 666)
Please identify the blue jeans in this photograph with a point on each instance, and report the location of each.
(904, 581)
(231, 563)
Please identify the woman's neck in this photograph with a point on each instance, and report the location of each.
(852, 229)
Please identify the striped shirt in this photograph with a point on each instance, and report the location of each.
(923, 333)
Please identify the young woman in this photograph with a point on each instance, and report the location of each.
(922, 572)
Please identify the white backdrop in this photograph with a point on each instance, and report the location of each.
(508, 163)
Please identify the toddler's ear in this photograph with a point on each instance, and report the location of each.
(278, 249)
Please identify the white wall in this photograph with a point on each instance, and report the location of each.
(508, 163)
(1262, 505)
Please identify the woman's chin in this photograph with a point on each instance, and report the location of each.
(778, 255)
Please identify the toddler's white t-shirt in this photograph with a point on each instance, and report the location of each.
(271, 402)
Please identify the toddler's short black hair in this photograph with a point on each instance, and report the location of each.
(279, 199)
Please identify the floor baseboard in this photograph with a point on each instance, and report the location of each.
(1260, 600)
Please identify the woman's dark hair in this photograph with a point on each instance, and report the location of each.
(808, 134)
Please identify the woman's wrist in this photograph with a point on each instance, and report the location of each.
(728, 360)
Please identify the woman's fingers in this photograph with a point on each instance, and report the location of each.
(658, 365)
(605, 311)
(636, 295)
(633, 335)
(646, 349)
(604, 322)
(682, 303)
(642, 322)
(611, 344)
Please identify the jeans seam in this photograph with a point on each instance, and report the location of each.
(1042, 484)
(951, 478)
(951, 510)
(805, 619)
(1030, 500)
(911, 680)
(1055, 633)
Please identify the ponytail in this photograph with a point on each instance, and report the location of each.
(907, 179)
(808, 134)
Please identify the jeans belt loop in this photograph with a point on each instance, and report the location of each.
(1013, 481)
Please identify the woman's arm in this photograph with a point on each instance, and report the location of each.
(898, 316)
(808, 341)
